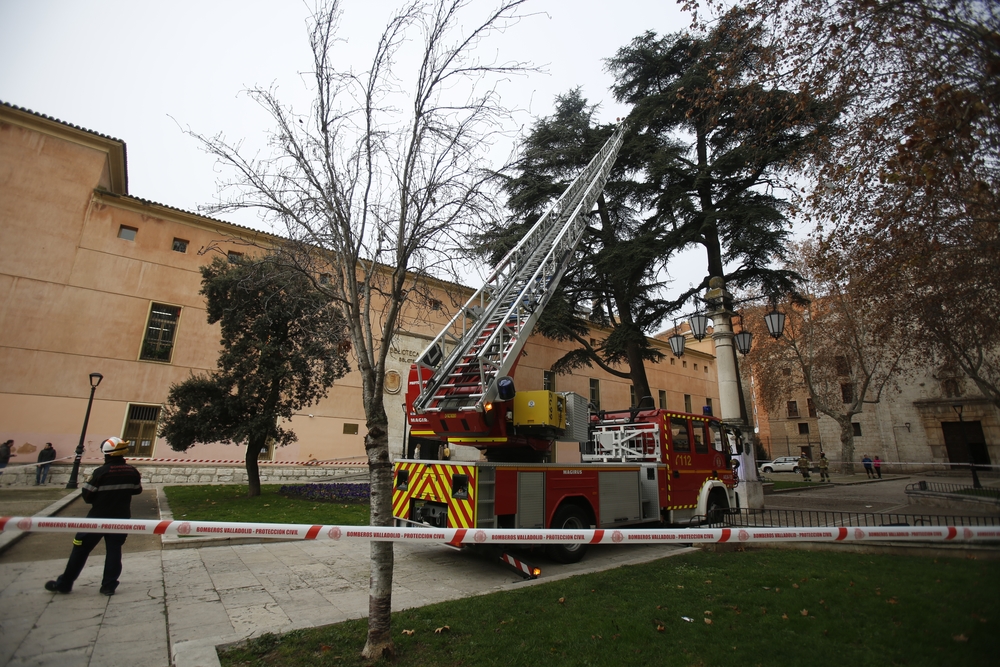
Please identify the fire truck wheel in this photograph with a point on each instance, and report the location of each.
(568, 517)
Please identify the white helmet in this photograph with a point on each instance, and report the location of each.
(114, 447)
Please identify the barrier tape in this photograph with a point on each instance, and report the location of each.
(37, 463)
(468, 536)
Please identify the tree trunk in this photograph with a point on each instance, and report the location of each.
(379, 643)
(254, 447)
(846, 445)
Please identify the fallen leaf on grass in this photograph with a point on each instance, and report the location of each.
(442, 629)
(960, 638)
(795, 585)
(660, 628)
(708, 613)
(892, 601)
(708, 581)
(784, 617)
(267, 504)
(324, 648)
(708, 621)
(680, 587)
(562, 600)
(822, 601)
(777, 590)
(804, 612)
(408, 633)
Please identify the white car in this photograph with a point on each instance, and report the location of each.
(782, 464)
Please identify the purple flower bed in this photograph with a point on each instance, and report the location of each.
(328, 493)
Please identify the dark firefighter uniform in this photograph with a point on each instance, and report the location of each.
(109, 492)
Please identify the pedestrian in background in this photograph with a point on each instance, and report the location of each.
(5, 454)
(45, 458)
(877, 464)
(804, 467)
(824, 466)
(867, 461)
(109, 492)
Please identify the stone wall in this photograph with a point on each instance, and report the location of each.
(191, 473)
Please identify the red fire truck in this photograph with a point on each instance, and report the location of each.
(637, 466)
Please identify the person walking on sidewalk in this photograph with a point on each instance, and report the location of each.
(109, 492)
(45, 458)
(824, 467)
(867, 461)
(804, 468)
(877, 464)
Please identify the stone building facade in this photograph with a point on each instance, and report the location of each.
(94, 279)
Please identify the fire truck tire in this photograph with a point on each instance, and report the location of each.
(568, 517)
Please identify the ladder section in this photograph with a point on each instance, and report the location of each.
(486, 336)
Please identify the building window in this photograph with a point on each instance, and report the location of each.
(595, 393)
(811, 406)
(684, 364)
(793, 409)
(234, 256)
(324, 279)
(857, 429)
(549, 380)
(706, 369)
(708, 404)
(843, 368)
(696, 366)
(435, 304)
(350, 429)
(673, 361)
(180, 245)
(160, 330)
(140, 429)
(127, 233)
(847, 392)
(267, 451)
(687, 402)
(803, 428)
(663, 399)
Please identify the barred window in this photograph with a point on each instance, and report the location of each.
(595, 393)
(140, 429)
(663, 400)
(158, 343)
(793, 409)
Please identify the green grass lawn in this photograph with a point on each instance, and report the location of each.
(760, 607)
(230, 503)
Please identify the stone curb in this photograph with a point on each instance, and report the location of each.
(7, 540)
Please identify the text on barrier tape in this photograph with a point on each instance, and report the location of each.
(505, 536)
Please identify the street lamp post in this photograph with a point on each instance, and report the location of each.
(961, 427)
(95, 379)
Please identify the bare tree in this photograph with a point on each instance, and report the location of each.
(837, 345)
(377, 185)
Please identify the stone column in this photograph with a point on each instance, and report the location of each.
(749, 488)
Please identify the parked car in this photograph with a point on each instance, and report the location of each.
(782, 464)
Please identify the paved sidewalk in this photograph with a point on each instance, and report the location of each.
(174, 606)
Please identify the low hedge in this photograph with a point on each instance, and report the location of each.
(328, 493)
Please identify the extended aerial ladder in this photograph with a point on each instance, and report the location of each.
(458, 373)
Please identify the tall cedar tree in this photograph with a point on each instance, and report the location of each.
(283, 345)
(618, 262)
(745, 140)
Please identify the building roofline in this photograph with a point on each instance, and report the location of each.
(114, 148)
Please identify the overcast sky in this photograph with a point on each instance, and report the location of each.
(140, 71)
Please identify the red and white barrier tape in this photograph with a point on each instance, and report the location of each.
(462, 536)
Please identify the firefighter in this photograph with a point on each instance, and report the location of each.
(804, 467)
(824, 466)
(109, 492)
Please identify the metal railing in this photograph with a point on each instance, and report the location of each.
(958, 489)
(776, 518)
